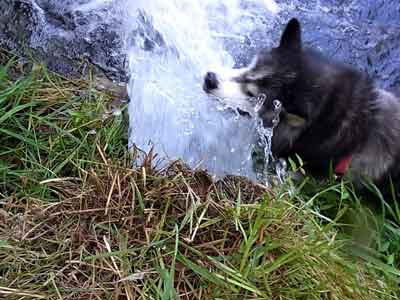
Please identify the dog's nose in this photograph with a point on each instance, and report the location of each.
(210, 82)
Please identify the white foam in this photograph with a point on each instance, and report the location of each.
(168, 107)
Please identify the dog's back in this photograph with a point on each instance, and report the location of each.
(380, 155)
(351, 120)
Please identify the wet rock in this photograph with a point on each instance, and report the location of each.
(17, 22)
(66, 34)
(363, 33)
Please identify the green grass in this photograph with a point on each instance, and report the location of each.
(78, 221)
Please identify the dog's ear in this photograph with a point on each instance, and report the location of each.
(291, 37)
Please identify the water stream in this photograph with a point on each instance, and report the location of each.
(169, 110)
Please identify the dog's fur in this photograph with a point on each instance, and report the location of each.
(330, 111)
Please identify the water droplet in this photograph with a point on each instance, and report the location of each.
(260, 102)
(277, 105)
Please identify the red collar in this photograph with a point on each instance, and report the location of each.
(343, 165)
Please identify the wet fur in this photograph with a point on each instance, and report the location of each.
(330, 109)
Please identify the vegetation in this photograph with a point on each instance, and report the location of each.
(80, 220)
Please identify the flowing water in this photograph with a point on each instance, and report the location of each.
(179, 41)
(265, 135)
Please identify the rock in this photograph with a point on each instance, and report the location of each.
(363, 33)
(65, 36)
(118, 90)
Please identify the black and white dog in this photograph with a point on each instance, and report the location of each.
(331, 113)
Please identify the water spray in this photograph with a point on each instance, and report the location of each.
(265, 135)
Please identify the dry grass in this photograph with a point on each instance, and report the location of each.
(142, 234)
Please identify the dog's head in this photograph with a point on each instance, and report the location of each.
(273, 72)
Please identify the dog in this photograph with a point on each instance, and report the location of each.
(332, 115)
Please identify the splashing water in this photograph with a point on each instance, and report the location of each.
(178, 41)
(281, 170)
(265, 135)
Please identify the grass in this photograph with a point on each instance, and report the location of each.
(79, 221)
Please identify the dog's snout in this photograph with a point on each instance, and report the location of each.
(210, 82)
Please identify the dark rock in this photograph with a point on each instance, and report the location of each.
(17, 22)
(363, 33)
(64, 37)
